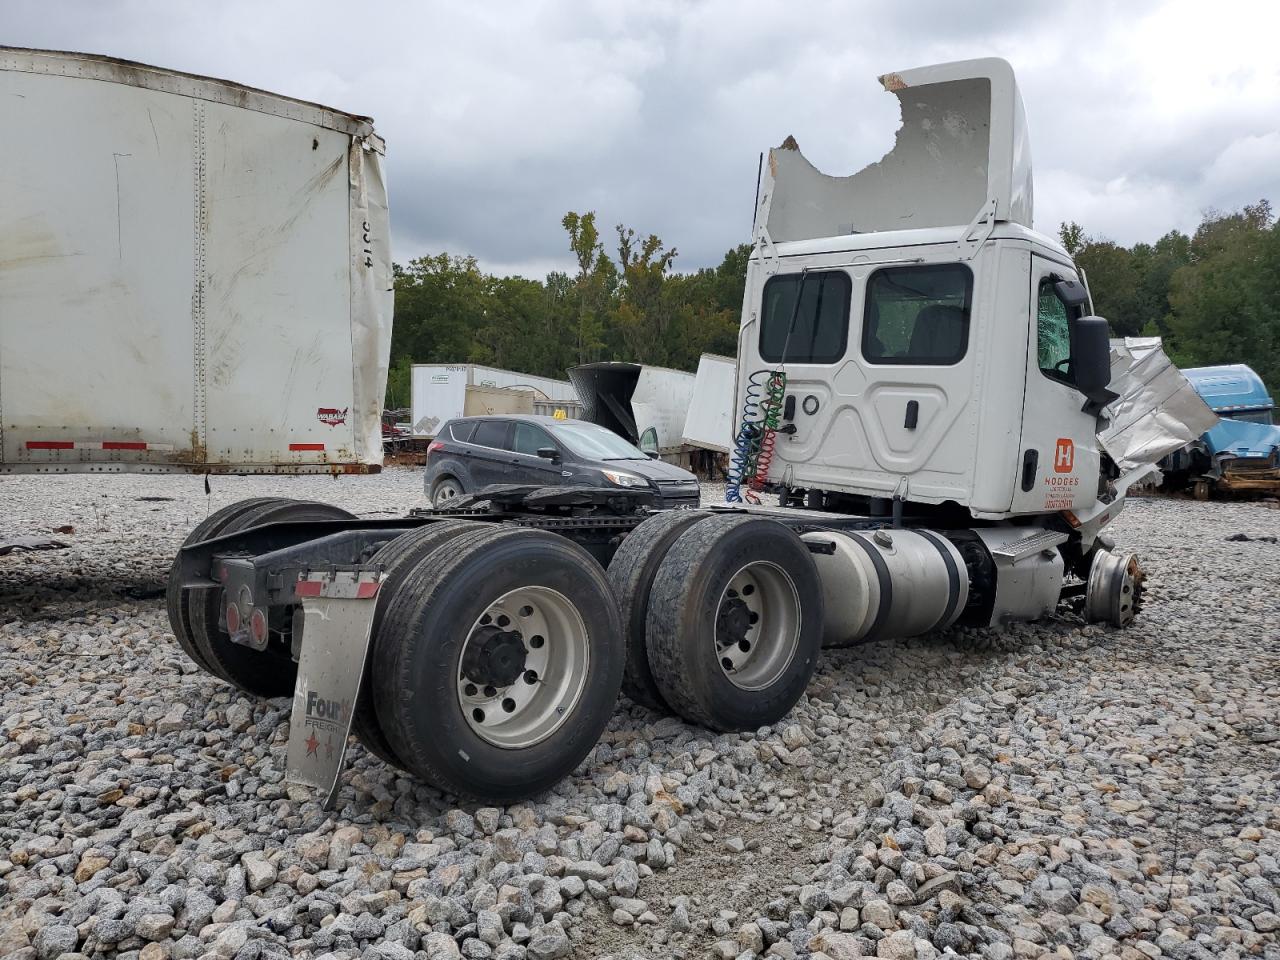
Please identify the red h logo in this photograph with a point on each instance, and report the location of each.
(1064, 458)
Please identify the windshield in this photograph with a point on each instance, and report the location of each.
(593, 442)
(1250, 416)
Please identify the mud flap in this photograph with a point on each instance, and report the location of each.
(337, 617)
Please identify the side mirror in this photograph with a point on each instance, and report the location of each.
(1071, 292)
(1091, 360)
(549, 453)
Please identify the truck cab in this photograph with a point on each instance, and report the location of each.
(933, 344)
(1240, 453)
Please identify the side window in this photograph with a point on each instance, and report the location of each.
(461, 430)
(491, 433)
(1053, 333)
(918, 315)
(818, 331)
(529, 439)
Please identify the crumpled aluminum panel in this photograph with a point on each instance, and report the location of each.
(1157, 412)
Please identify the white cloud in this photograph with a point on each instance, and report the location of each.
(499, 117)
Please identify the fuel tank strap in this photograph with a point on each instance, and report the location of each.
(886, 583)
(953, 577)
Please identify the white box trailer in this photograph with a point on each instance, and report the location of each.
(440, 392)
(194, 275)
(710, 421)
(646, 405)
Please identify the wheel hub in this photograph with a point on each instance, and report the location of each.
(1114, 590)
(494, 657)
(732, 622)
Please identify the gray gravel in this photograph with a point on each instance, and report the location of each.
(1058, 790)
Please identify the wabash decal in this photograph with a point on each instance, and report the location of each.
(332, 415)
(1064, 457)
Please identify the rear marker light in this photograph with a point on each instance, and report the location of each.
(258, 626)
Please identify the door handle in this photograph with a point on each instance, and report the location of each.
(1030, 461)
(913, 414)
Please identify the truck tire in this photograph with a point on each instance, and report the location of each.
(734, 625)
(486, 712)
(397, 558)
(631, 573)
(265, 673)
(178, 599)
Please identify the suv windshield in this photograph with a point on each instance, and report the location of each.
(593, 442)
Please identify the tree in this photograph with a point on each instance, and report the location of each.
(1072, 236)
(1213, 295)
(1226, 300)
(642, 316)
(596, 282)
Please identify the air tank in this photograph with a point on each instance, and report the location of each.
(887, 583)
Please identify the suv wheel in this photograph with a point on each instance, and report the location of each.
(446, 489)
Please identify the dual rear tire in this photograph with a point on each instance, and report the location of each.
(497, 652)
(723, 616)
(496, 663)
(495, 657)
(195, 615)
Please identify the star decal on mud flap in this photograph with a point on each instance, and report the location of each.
(313, 746)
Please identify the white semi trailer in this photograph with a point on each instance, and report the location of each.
(195, 275)
(919, 377)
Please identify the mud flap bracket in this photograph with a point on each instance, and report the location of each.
(337, 614)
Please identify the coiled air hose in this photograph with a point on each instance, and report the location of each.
(775, 394)
(754, 442)
(761, 410)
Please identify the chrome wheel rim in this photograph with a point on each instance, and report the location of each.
(523, 667)
(757, 628)
(1113, 590)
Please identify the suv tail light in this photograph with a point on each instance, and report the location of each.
(435, 445)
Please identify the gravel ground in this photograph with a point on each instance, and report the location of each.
(1058, 790)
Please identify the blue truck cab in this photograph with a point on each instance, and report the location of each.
(1242, 453)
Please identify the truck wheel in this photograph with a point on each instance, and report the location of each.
(631, 573)
(498, 664)
(178, 598)
(397, 558)
(266, 673)
(446, 489)
(735, 622)
(1113, 592)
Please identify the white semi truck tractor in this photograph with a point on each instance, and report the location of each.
(921, 382)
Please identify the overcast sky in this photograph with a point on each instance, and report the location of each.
(499, 117)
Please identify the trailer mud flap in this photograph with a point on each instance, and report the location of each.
(337, 617)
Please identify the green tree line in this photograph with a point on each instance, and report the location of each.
(624, 303)
(1214, 296)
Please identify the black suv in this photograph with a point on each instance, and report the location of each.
(471, 453)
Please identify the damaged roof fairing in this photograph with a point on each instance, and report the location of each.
(961, 147)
